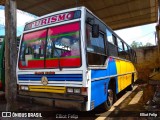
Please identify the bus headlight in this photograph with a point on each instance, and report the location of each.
(74, 90)
(77, 90)
(69, 90)
(24, 88)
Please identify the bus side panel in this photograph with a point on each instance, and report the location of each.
(99, 87)
(124, 67)
(98, 92)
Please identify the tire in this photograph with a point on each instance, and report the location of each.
(111, 99)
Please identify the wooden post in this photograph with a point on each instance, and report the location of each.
(10, 54)
(158, 31)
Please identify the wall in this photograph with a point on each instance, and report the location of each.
(147, 60)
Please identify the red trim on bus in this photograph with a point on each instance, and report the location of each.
(32, 64)
(37, 34)
(64, 62)
(65, 28)
(70, 62)
(52, 63)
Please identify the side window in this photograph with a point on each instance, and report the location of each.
(110, 38)
(130, 54)
(111, 44)
(95, 48)
(126, 51)
(125, 47)
(121, 52)
(120, 45)
(95, 45)
(114, 40)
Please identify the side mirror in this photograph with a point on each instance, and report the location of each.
(95, 31)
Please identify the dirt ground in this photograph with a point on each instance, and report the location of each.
(140, 110)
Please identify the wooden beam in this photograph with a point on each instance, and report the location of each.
(132, 18)
(2, 2)
(131, 12)
(115, 5)
(36, 4)
(10, 55)
(79, 3)
(123, 25)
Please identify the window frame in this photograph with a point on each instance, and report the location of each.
(45, 47)
(80, 49)
(100, 32)
(88, 31)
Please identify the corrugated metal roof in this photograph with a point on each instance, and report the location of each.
(116, 13)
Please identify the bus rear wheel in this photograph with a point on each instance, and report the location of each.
(131, 86)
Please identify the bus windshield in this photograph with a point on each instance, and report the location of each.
(55, 47)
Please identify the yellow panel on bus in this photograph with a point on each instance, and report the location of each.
(125, 69)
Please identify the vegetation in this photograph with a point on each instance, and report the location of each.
(139, 44)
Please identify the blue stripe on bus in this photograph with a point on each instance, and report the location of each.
(99, 87)
(55, 77)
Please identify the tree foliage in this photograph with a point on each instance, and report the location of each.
(149, 44)
(135, 44)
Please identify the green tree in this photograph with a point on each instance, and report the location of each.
(135, 44)
(148, 44)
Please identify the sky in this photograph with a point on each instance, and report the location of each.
(22, 18)
(144, 33)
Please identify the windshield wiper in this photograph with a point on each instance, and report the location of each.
(58, 58)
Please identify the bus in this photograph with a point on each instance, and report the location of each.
(72, 59)
(2, 61)
(2, 70)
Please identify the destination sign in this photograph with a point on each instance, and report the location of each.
(53, 19)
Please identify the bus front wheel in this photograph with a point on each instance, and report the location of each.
(111, 99)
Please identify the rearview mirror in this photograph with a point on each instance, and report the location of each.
(95, 31)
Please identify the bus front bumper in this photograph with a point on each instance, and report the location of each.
(67, 101)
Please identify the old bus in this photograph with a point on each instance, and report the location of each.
(2, 61)
(72, 59)
(2, 70)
